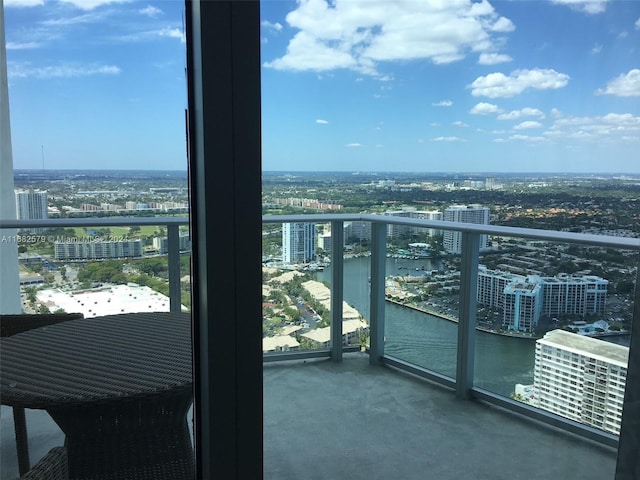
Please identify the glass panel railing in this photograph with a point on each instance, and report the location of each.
(422, 288)
(294, 304)
(554, 324)
(297, 289)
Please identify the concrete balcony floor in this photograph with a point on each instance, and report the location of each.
(326, 420)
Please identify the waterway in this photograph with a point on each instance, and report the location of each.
(430, 341)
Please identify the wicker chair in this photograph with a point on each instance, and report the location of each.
(53, 466)
(12, 325)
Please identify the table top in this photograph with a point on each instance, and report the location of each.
(95, 359)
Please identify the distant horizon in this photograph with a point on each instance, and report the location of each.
(354, 173)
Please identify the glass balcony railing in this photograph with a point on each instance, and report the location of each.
(478, 317)
(475, 313)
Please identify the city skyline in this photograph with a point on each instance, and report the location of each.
(359, 86)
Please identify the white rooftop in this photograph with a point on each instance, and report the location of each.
(107, 300)
(279, 342)
(583, 345)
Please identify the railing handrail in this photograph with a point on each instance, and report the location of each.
(496, 230)
(93, 222)
(610, 241)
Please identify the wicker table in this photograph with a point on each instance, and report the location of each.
(118, 386)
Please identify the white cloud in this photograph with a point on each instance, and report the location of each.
(524, 112)
(151, 11)
(459, 124)
(443, 103)
(448, 139)
(586, 6)
(499, 140)
(555, 113)
(22, 45)
(498, 85)
(353, 145)
(503, 25)
(172, 33)
(92, 17)
(493, 58)
(484, 108)
(527, 124)
(597, 48)
(271, 26)
(91, 4)
(625, 85)
(360, 35)
(527, 138)
(25, 70)
(320, 121)
(637, 24)
(23, 3)
(306, 52)
(609, 128)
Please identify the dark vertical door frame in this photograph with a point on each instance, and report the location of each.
(223, 75)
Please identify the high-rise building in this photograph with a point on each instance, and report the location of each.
(357, 231)
(395, 231)
(324, 241)
(581, 378)
(525, 298)
(568, 294)
(31, 206)
(522, 305)
(98, 250)
(298, 242)
(429, 215)
(452, 241)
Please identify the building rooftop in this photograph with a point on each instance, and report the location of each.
(598, 349)
(98, 301)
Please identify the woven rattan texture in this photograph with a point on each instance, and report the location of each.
(96, 359)
(53, 466)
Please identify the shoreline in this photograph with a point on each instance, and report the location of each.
(526, 336)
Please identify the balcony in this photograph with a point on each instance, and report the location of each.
(374, 410)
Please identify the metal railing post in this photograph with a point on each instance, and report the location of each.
(468, 309)
(337, 288)
(173, 258)
(378, 267)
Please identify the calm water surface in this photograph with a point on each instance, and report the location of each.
(431, 342)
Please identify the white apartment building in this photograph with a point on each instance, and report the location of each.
(452, 241)
(161, 244)
(298, 242)
(581, 378)
(97, 250)
(404, 230)
(574, 295)
(31, 206)
(395, 231)
(525, 298)
(324, 241)
(522, 305)
(491, 285)
(357, 231)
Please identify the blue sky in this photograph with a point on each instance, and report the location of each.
(417, 85)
